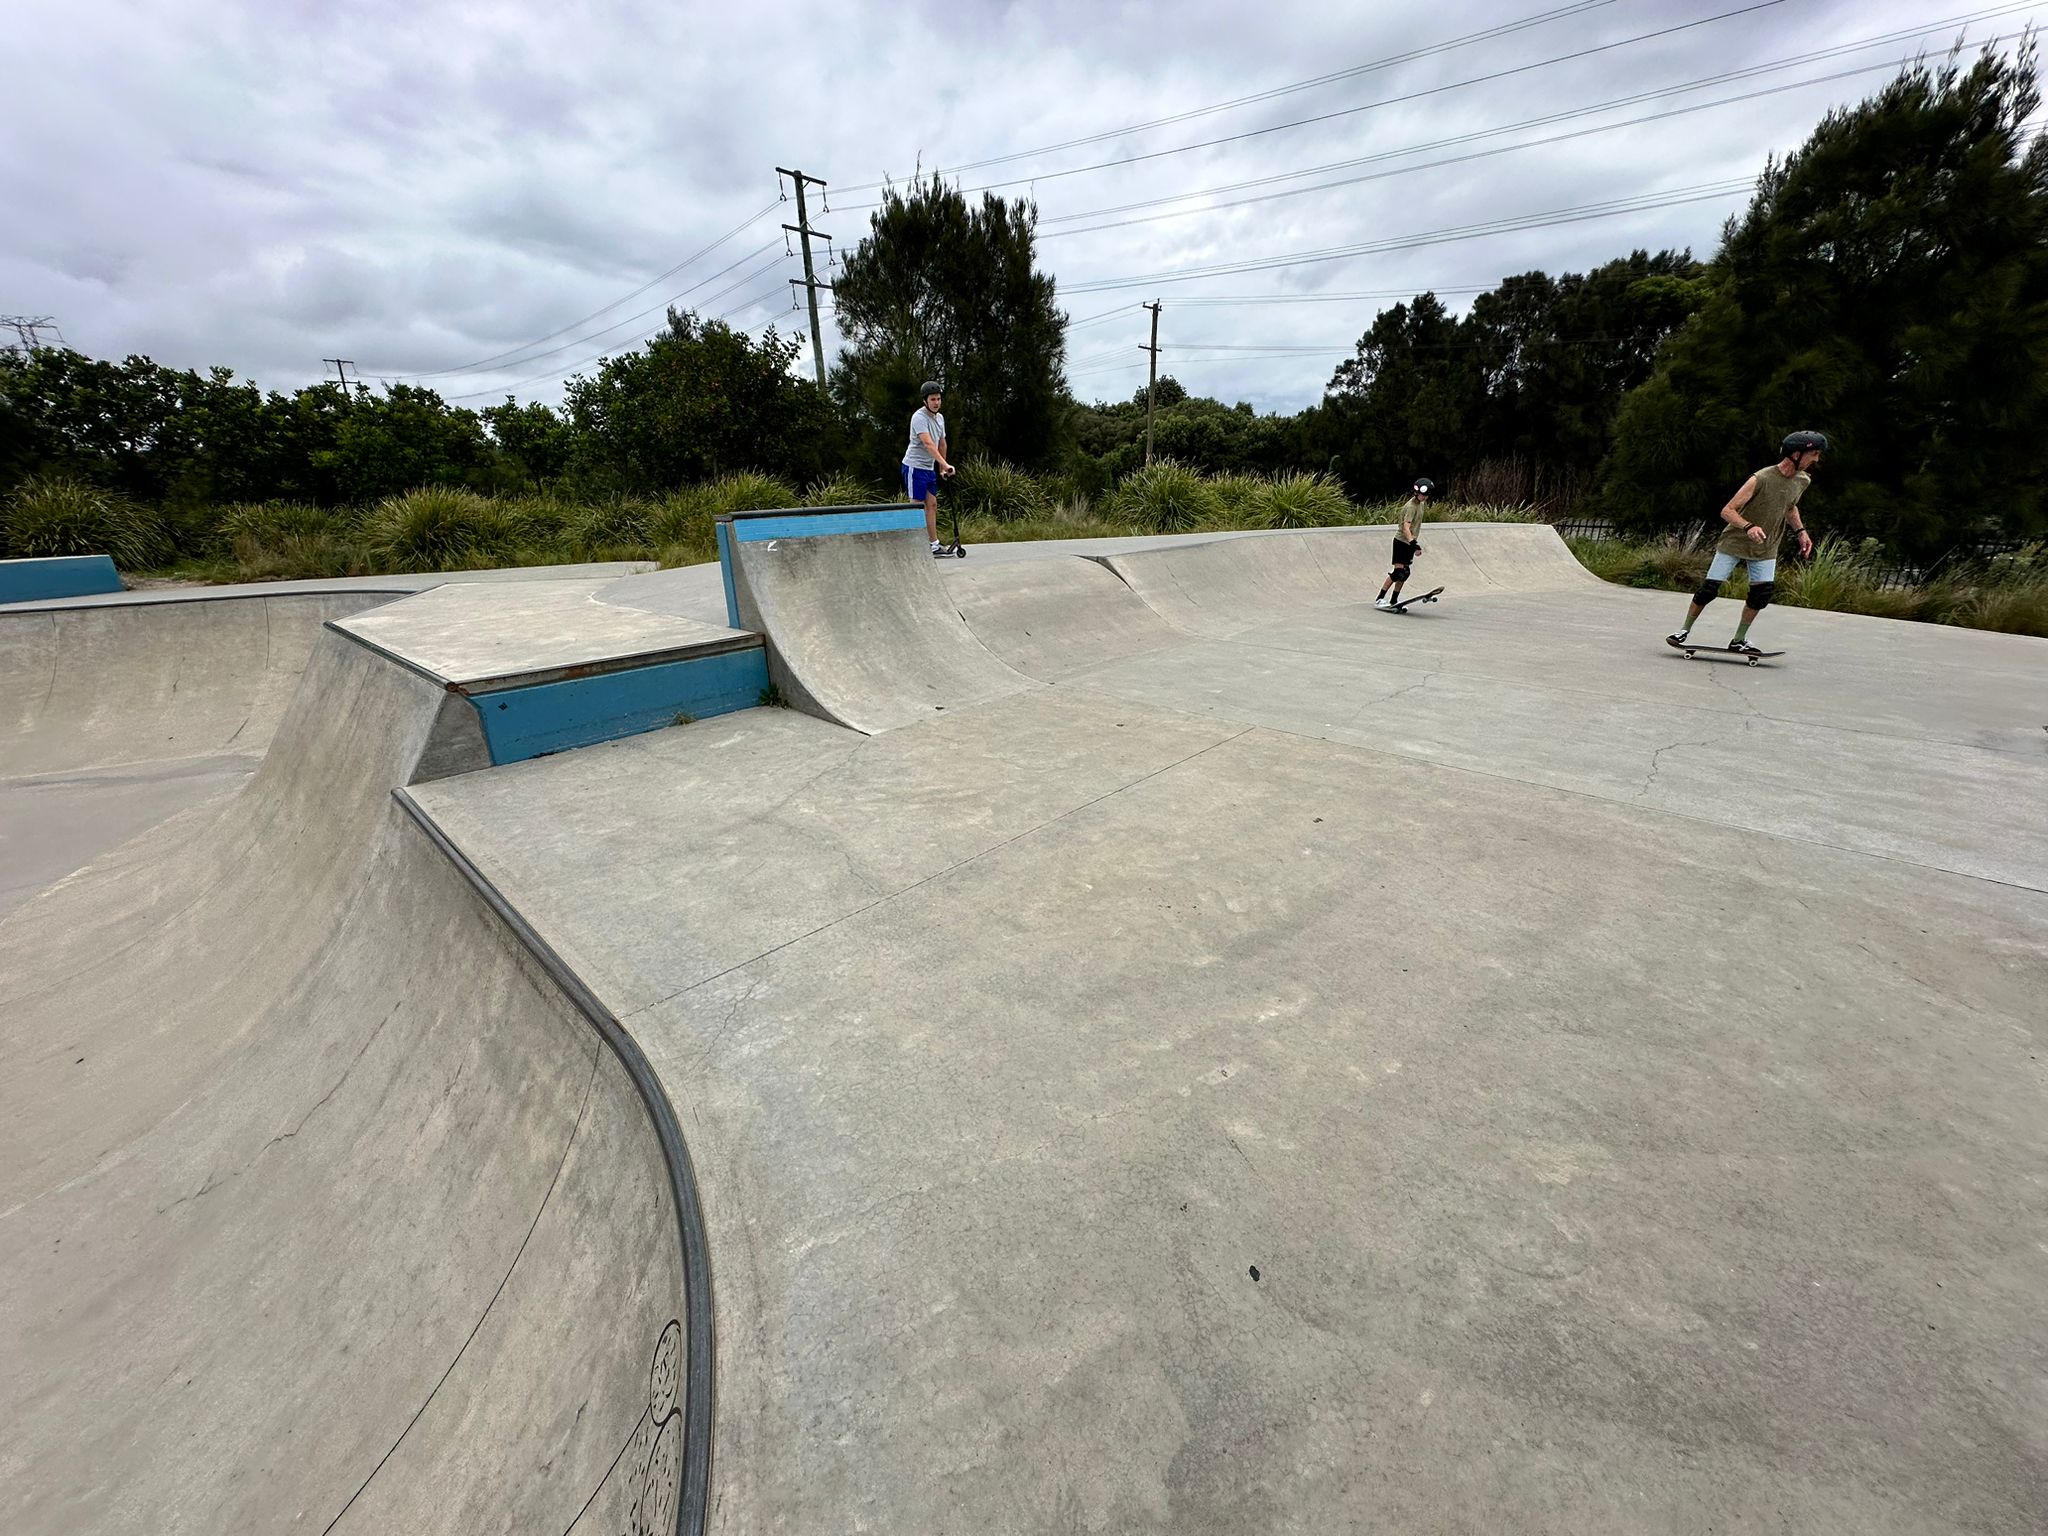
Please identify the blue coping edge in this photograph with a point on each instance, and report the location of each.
(823, 523)
(39, 580)
(520, 723)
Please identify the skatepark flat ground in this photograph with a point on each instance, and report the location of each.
(1257, 1063)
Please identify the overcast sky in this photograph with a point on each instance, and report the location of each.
(450, 189)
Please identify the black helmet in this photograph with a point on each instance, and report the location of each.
(1802, 442)
(931, 387)
(1425, 487)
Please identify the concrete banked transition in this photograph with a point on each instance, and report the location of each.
(1147, 1043)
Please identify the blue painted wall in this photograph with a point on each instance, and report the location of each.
(38, 581)
(819, 525)
(552, 717)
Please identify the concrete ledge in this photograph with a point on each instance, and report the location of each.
(41, 580)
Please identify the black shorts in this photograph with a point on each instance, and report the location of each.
(1404, 552)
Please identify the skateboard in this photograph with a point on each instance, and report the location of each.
(1697, 648)
(1406, 603)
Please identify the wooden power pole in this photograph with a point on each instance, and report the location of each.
(803, 231)
(1151, 378)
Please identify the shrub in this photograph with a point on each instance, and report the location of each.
(840, 490)
(52, 515)
(1165, 497)
(441, 529)
(990, 488)
(288, 540)
(1238, 501)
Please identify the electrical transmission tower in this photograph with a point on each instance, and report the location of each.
(29, 331)
(809, 281)
(341, 366)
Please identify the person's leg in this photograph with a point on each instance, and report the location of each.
(1763, 582)
(931, 516)
(1722, 567)
(1397, 577)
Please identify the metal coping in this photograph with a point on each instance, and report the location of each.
(693, 1504)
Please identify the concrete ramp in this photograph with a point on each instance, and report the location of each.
(328, 1200)
(859, 628)
(1519, 557)
(114, 717)
(1055, 617)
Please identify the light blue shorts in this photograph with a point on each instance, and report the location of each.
(1725, 563)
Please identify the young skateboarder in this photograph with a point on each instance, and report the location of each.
(924, 461)
(1407, 543)
(1756, 515)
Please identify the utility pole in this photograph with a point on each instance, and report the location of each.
(341, 367)
(802, 229)
(1151, 378)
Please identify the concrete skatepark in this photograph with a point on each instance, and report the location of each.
(1145, 1043)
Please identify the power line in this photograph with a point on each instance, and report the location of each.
(1370, 106)
(1641, 203)
(541, 378)
(1353, 72)
(624, 298)
(1477, 154)
(1635, 99)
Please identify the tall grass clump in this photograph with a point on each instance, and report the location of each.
(748, 492)
(680, 528)
(1000, 492)
(841, 490)
(55, 515)
(1300, 500)
(1165, 497)
(1842, 578)
(289, 540)
(614, 528)
(438, 528)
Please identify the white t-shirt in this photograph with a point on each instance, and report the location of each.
(933, 423)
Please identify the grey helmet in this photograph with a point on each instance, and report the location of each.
(931, 387)
(1802, 442)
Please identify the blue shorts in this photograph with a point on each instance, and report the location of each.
(1725, 563)
(919, 483)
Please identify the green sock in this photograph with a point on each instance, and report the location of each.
(1742, 630)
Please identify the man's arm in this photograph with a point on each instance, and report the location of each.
(1796, 521)
(936, 450)
(1732, 513)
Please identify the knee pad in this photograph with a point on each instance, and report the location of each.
(1399, 573)
(1709, 590)
(1760, 594)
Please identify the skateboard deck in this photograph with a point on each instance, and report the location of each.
(1697, 648)
(1405, 603)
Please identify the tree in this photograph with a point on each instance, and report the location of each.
(939, 290)
(700, 400)
(1407, 403)
(535, 441)
(1888, 285)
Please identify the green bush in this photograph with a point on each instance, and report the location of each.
(441, 529)
(52, 515)
(288, 540)
(1165, 497)
(682, 518)
(841, 490)
(992, 489)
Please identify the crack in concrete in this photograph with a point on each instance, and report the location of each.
(1656, 764)
(215, 1179)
